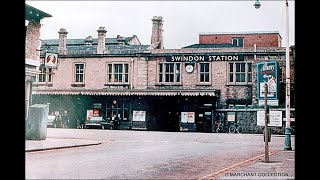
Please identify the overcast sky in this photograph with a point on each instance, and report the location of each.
(183, 20)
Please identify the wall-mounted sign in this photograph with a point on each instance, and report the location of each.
(268, 72)
(97, 105)
(51, 60)
(202, 58)
(89, 114)
(275, 118)
(139, 116)
(231, 116)
(187, 117)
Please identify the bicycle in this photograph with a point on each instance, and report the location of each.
(219, 129)
(235, 128)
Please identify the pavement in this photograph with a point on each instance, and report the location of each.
(57, 143)
(281, 163)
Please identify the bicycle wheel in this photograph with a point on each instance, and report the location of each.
(232, 129)
(239, 129)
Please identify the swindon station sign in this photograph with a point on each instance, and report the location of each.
(202, 58)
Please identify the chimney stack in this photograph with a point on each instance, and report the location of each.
(88, 41)
(101, 40)
(121, 40)
(62, 48)
(156, 37)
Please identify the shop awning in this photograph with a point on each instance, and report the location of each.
(132, 92)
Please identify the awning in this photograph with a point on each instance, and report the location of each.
(133, 92)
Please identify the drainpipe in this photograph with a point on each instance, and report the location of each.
(132, 74)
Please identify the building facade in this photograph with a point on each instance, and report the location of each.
(149, 87)
(33, 18)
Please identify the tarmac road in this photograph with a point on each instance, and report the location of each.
(147, 154)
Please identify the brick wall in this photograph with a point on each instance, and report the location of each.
(144, 74)
(32, 40)
(261, 40)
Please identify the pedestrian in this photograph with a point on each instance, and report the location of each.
(116, 122)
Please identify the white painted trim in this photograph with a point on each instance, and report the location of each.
(32, 62)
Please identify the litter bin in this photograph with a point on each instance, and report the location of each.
(36, 127)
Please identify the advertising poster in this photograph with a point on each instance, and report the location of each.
(275, 118)
(268, 73)
(190, 118)
(139, 116)
(184, 117)
(89, 114)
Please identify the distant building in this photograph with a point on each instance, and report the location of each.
(243, 39)
(33, 18)
(149, 87)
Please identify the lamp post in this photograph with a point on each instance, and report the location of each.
(288, 120)
(257, 5)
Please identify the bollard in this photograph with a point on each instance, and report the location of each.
(36, 126)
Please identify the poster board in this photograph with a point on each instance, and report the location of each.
(268, 73)
(275, 118)
(187, 117)
(139, 116)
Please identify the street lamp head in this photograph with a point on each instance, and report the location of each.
(257, 4)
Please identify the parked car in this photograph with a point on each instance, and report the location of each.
(107, 124)
(93, 122)
(50, 120)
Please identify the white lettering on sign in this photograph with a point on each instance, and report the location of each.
(196, 58)
(275, 118)
(266, 67)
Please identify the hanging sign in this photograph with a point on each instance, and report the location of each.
(51, 60)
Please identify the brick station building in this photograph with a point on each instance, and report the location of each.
(33, 17)
(174, 89)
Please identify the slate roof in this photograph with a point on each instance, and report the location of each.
(34, 13)
(79, 47)
(91, 50)
(55, 42)
(210, 46)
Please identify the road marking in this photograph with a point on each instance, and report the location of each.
(221, 172)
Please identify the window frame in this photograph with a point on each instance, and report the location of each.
(122, 74)
(176, 73)
(209, 73)
(238, 41)
(232, 72)
(75, 72)
(47, 74)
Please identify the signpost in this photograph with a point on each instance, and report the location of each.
(266, 146)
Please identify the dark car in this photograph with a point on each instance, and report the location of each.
(107, 123)
(93, 122)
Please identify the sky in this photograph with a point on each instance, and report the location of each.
(183, 20)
